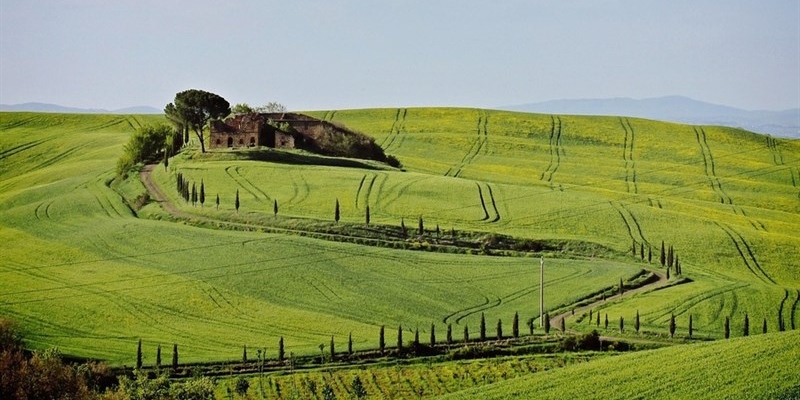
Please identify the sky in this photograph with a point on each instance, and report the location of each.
(317, 54)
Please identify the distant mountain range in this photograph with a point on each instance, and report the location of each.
(45, 107)
(677, 109)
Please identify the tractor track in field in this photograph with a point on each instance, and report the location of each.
(358, 191)
(625, 214)
(627, 156)
(483, 203)
(740, 243)
(397, 130)
(494, 204)
(366, 190)
(20, 148)
(781, 324)
(775, 151)
(710, 170)
(244, 183)
(555, 150)
(475, 149)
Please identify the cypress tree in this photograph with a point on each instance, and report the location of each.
(746, 327)
(677, 265)
(139, 355)
(244, 354)
(499, 329)
(590, 316)
(606, 322)
(667, 272)
(483, 328)
(281, 353)
(546, 323)
(158, 356)
(433, 335)
(636, 322)
(634, 247)
(663, 258)
(641, 250)
(399, 337)
(563, 324)
(449, 333)
(466, 333)
(194, 194)
(336, 212)
(727, 328)
(672, 325)
(670, 257)
(621, 324)
(691, 330)
(621, 290)
(403, 227)
(174, 356)
(202, 193)
(598, 319)
(217, 201)
(333, 350)
(453, 233)
(350, 344)
(649, 254)
(416, 338)
(381, 341)
(275, 207)
(764, 326)
(421, 227)
(366, 216)
(236, 202)
(438, 232)
(530, 326)
(166, 159)
(515, 325)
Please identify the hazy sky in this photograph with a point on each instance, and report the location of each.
(315, 54)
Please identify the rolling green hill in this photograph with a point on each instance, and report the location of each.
(82, 272)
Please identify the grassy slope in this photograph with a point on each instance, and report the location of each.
(81, 273)
(746, 368)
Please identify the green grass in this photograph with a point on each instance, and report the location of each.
(81, 272)
(746, 368)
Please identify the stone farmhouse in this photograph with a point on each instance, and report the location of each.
(277, 130)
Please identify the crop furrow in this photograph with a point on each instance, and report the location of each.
(630, 156)
(558, 150)
(781, 324)
(16, 149)
(752, 256)
(358, 191)
(494, 204)
(390, 137)
(624, 220)
(483, 203)
(730, 232)
(492, 304)
(369, 189)
(794, 309)
(546, 172)
(477, 145)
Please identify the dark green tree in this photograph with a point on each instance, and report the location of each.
(194, 193)
(672, 325)
(499, 329)
(336, 214)
(515, 325)
(158, 356)
(764, 326)
(403, 227)
(166, 159)
(590, 315)
(350, 344)
(598, 319)
(357, 388)
(641, 250)
(563, 324)
(621, 324)
(649, 254)
(139, 355)
(236, 202)
(174, 356)
(381, 341)
(244, 354)
(416, 338)
(366, 216)
(399, 337)
(421, 227)
(634, 247)
(663, 258)
(727, 328)
(670, 257)
(546, 323)
(668, 272)
(202, 193)
(606, 322)
(195, 108)
(281, 353)
(636, 322)
(275, 207)
(691, 327)
(677, 265)
(466, 333)
(483, 328)
(449, 333)
(438, 232)
(530, 326)
(621, 289)
(333, 350)
(242, 386)
(217, 201)
(433, 335)
(746, 327)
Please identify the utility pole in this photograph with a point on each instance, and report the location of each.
(541, 292)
